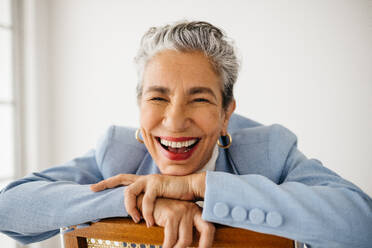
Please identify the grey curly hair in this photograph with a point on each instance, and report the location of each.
(187, 36)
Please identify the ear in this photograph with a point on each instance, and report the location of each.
(228, 112)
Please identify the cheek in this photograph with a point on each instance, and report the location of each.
(210, 121)
(149, 116)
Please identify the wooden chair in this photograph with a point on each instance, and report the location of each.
(123, 232)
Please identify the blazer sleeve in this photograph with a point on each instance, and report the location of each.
(35, 207)
(309, 203)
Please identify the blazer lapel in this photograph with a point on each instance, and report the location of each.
(224, 163)
(148, 166)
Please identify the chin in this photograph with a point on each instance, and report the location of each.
(172, 170)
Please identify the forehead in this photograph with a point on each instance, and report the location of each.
(171, 69)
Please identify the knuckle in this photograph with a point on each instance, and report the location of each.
(189, 206)
(184, 242)
(171, 213)
(169, 241)
(178, 207)
(148, 197)
(210, 228)
(149, 181)
(152, 191)
(184, 205)
(128, 190)
(161, 220)
(172, 239)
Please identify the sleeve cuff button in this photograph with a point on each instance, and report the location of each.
(239, 214)
(256, 216)
(221, 210)
(274, 219)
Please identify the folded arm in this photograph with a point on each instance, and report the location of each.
(309, 203)
(33, 208)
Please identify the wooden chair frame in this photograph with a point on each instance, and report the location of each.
(125, 230)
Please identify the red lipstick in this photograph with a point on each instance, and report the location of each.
(177, 156)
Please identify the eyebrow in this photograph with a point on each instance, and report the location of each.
(160, 89)
(192, 91)
(201, 90)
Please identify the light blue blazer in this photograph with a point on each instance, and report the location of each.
(262, 183)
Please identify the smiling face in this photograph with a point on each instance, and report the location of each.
(181, 111)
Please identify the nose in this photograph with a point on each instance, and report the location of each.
(176, 118)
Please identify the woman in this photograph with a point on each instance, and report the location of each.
(253, 177)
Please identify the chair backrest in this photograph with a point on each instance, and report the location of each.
(123, 232)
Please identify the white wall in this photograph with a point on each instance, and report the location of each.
(306, 65)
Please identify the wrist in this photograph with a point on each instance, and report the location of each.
(198, 185)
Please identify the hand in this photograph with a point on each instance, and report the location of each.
(178, 219)
(190, 187)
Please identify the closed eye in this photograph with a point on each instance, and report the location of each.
(157, 99)
(200, 100)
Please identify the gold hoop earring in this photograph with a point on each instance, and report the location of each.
(137, 136)
(226, 146)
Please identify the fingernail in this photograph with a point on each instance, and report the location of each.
(135, 219)
(147, 224)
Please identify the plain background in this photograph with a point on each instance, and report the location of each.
(305, 65)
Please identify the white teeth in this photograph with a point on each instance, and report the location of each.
(191, 142)
(174, 144)
(164, 142)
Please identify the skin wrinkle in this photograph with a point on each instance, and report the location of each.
(172, 83)
(184, 36)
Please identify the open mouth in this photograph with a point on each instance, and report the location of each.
(183, 145)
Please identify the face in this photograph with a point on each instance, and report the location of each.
(181, 111)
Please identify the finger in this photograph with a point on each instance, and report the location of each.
(206, 231)
(112, 182)
(118, 180)
(185, 231)
(170, 233)
(148, 206)
(130, 199)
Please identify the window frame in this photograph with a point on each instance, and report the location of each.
(15, 102)
(16, 7)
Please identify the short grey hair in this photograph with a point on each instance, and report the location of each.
(188, 36)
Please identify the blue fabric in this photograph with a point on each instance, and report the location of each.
(262, 183)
